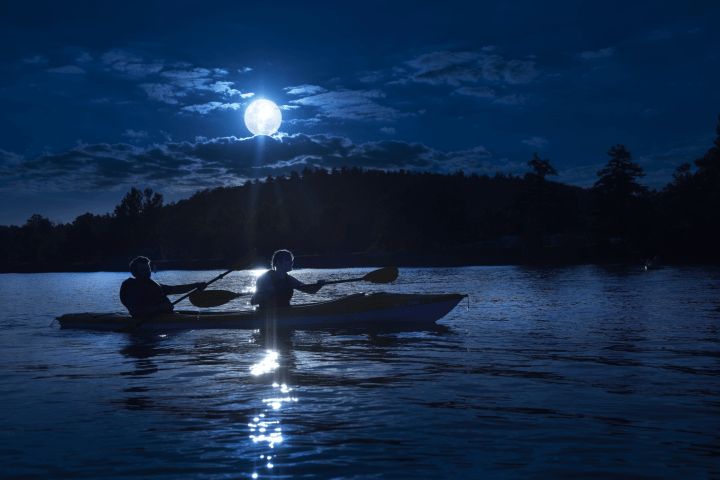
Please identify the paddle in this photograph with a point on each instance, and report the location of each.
(215, 298)
(246, 262)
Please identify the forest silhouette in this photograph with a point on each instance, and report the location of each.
(354, 210)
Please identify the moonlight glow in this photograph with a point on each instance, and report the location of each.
(263, 117)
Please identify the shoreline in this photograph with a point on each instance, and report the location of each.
(546, 256)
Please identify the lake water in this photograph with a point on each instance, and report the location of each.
(551, 373)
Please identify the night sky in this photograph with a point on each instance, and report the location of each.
(97, 98)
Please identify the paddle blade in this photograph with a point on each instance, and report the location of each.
(384, 275)
(212, 298)
(247, 261)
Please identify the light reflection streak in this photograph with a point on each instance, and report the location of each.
(262, 426)
(268, 364)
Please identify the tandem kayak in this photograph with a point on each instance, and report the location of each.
(358, 309)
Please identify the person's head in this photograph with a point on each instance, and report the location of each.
(283, 259)
(140, 267)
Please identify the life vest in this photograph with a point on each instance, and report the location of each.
(135, 294)
(281, 297)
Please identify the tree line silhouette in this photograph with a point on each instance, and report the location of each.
(354, 210)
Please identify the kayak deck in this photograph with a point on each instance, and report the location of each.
(377, 308)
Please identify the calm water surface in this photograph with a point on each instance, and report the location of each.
(551, 373)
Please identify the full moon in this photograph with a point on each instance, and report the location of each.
(263, 117)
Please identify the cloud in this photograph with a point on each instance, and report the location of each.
(198, 79)
(133, 134)
(9, 158)
(289, 107)
(445, 67)
(36, 60)
(304, 121)
(222, 161)
(207, 107)
(675, 156)
(388, 130)
(513, 99)
(114, 56)
(245, 70)
(161, 92)
(371, 77)
(182, 81)
(602, 53)
(484, 92)
(138, 69)
(72, 69)
(85, 57)
(304, 90)
(455, 67)
(494, 67)
(351, 104)
(130, 64)
(440, 60)
(537, 142)
(89, 167)
(187, 74)
(224, 88)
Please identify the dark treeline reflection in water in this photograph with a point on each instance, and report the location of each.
(551, 373)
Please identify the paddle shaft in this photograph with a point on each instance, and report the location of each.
(333, 282)
(195, 289)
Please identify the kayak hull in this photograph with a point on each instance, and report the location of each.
(360, 309)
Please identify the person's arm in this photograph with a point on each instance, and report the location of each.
(180, 289)
(312, 288)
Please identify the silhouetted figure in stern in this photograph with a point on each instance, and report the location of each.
(143, 296)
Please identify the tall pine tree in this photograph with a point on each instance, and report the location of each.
(619, 195)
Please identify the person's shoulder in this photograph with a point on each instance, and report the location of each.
(268, 275)
(267, 280)
(128, 289)
(294, 281)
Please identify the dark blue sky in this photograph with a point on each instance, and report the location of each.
(98, 98)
